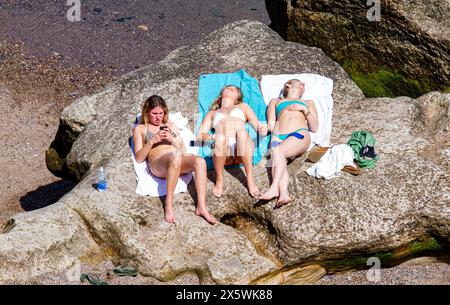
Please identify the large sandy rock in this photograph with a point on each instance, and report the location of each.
(405, 198)
(412, 37)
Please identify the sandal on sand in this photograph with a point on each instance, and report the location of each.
(92, 279)
(352, 170)
(8, 226)
(125, 270)
(316, 153)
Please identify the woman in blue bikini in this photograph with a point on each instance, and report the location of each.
(289, 119)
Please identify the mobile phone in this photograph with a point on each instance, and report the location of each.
(163, 127)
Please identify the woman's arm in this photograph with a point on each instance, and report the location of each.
(311, 116)
(271, 116)
(174, 137)
(140, 150)
(251, 116)
(205, 127)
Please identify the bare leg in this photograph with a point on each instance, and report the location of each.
(168, 166)
(245, 150)
(283, 187)
(290, 147)
(219, 157)
(173, 173)
(278, 167)
(198, 165)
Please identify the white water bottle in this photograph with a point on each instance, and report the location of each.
(101, 185)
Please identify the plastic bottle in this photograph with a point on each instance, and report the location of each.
(101, 185)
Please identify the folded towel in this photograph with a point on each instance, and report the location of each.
(331, 164)
(317, 88)
(149, 184)
(209, 88)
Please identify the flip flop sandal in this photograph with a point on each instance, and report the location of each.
(93, 280)
(316, 153)
(352, 170)
(124, 271)
(8, 226)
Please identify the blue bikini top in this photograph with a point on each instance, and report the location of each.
(284, 104)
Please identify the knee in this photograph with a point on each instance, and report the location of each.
(175, 161)
(199, 163)
(276, 154)
(220, 145)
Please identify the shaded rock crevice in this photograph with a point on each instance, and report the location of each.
(106, 248)
(260, 232)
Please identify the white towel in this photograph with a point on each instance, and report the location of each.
(332, 162)
(317, 88)
(147, 183)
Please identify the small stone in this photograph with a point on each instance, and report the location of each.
(143, 27)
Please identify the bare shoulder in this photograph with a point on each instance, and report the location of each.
(244, 106)
(209, 114)
(309, 102)
(275, 100)
(139, 128)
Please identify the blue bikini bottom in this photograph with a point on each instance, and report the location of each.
(284, 136)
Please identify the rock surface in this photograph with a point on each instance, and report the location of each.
(403, 199)
(412, 37)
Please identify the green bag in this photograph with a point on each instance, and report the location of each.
(363, 145)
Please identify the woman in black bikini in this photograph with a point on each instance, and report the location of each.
(158, 141)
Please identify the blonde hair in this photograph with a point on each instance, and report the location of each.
(153, 102)
(285, 92)
(218, 102)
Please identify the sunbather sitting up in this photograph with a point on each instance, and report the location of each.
(159, 141)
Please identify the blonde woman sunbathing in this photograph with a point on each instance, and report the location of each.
(228, 115)
(289, 119)
(158, 141)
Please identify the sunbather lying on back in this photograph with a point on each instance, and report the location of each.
(290, 119)
(228, 115)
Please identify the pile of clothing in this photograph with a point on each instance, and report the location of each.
(358, 152)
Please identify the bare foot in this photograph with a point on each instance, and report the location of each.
(218, 189)
(284, 199)
(253, 189)
(270, 194)
(205, 214)
(168, 214)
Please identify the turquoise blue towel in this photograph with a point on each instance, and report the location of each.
(209, 88)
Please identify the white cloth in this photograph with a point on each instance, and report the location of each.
(317, 88)
(332, 162)
(147, 183)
